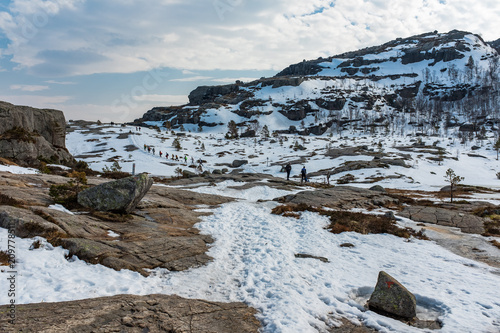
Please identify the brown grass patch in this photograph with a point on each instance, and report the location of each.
(491, 226)
(9, 201)
(111, 217)
(4, 258)
(45, 216)
(18, 134)
(115, 174)
(6, 161)
(51, 235)
(495, 243)
(344, 221)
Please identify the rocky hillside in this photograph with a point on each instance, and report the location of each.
(415, 81)
(29, 136)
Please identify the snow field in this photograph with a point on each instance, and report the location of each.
(254, 262)
(268, 157)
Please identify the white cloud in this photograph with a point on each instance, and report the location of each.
(77, 37)
(193, 79)
(27, 87)
(48, 102)
(232, 79)
(60, 82)
(168, 99)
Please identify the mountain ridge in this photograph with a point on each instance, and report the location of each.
(415, 74)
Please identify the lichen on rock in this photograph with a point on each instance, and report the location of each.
(120, 196)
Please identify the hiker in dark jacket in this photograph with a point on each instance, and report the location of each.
(288, 169)
(303, 175)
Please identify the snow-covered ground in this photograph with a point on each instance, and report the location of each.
(254, 251)
(254, 262)
(267, 156)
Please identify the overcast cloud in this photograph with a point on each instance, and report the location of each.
(64, 39)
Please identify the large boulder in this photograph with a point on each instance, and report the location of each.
(28, 135)
(238, 163)
(393, 298)
(117, 196)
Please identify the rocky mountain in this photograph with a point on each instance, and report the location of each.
(408, 81)
(495, 44)
(29, 136)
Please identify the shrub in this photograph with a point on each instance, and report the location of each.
(346, 179)
(36, 245)
(80, 177)
(495, 243)
(177, 144)
(344, 221)
(114, 172)
(67, 194)
(19, 134)
(4, 258)
(43, 168)
(82, 166)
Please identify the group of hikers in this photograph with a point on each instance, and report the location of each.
(150, 149)
(303, 173)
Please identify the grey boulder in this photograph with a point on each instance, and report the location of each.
(120, 196)
(393, 298)
(238, 163)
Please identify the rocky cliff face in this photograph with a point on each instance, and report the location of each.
(29, 135)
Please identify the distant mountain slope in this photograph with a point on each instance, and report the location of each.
(418, 81)
(495, 44)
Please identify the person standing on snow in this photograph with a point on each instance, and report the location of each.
(303, 175)
(288, 169)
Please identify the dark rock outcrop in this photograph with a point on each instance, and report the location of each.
(28, 135)
(393, 298)
(117, 196)
(495, 44)
(208, 94)
(129, 313)
(160, 233)
(238, 163)
(340, 197)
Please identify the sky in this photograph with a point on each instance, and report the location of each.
(114, 60)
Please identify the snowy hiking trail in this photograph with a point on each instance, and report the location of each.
(254, 262)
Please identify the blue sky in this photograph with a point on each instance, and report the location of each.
(113, 60)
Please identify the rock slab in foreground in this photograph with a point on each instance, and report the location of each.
(129, 313)
(466, 222)
(393, 298)
(121, 195)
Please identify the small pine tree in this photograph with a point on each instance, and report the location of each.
(265, 132)
(453, 179)
(232, 130)
(177, 144)
(497, 146)
(178, 172)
